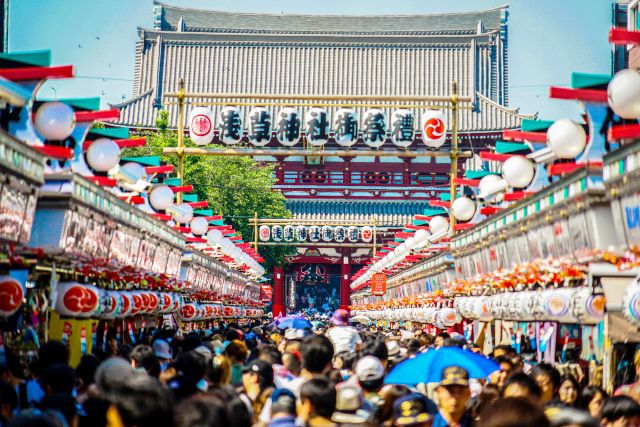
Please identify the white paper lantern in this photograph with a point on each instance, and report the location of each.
(624, 94)
(402, 127)
(488, 184)
(201, 125)
(230, 124)
(199, 225)
(182, 213)
(463, 208)
(434, 131)
(214, 237)
(76, 300)
(260, 125)
(345, 123)
(438, 224)
(374, 128)
(421, 236)
(103, 154)
(161, 197)
(288, 126)
(55, 121)
(316, 122)
(518, 171)
(366, 234)
(566, 139)
(265, 233)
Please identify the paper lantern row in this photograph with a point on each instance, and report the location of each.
(441, 318)
(566, 305)
(315, 233)
(72, 299)
(194, 311)
(289, 123)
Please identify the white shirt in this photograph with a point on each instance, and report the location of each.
(344, 338)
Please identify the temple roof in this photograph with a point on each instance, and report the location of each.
(171, 18)
(387, 213)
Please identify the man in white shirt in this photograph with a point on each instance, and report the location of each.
(343, 336)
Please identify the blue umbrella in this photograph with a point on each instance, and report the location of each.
(295, 322)
(427, 367)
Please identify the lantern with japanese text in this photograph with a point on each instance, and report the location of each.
(317, 126)
(201, 125)
(402, 127)
(188, 312)
(288, 126)
(301, 233)
(109, 304)
(314, 233)
(126, 299)
(366, 234)
(230, 124)
(276, 233)
(264, 233)
(288, 233)
(374, 128)
(11, 296)
(259, 132)
(327, 233)
(353, 234)
(339, 234)
(345, 123)
(434, 132)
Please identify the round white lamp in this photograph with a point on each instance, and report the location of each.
(214, 237)
(199, 225)
(463, 208)
(182, 213)
(566, 139)
(103, 154)
(55, 121)
(624, 94)
(518, 171)
(438, 224)
(161, 197)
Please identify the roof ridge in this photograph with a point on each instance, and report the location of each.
(134, 99)
(169, 6)
(513, 111)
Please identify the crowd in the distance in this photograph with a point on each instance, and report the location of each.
(259, 375)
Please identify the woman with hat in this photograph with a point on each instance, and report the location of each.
(257, 382)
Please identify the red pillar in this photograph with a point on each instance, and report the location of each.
(345, 288)
(279, 308)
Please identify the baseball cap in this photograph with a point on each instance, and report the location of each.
(349, 402)
(162, 350)
(369, 368)
(295, 334)
(261, 368)
(340, 317)
(454, 375)
(410, 410)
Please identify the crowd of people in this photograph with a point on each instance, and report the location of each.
(259, 375)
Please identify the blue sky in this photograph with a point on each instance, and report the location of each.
(548, 39)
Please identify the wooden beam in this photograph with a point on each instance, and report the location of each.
(307, 153)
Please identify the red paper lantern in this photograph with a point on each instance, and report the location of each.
(11, 296)
(76, 299)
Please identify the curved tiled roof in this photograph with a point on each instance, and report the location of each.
(169, 18)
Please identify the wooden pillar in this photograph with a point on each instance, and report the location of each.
(346, 174)
(280, 170)
(345, 274)
(406, 173)
(279, 309)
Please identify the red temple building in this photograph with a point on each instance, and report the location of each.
(228, 52)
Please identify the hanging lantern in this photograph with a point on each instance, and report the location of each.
(199, 225)
(259, 132)
(55, 121)
(438, 224)
(265, 233)
(402, 127)
(161, 197)
(314, 233)
(110, 304)
(624, 94)
(276, 233)
(103, 154)
(201, 125)
(367, 234)
(154, 303)
(317, 126)
(11, 296)
(353, 234)
(566, 138)
(165, 303)
(230, 124)
(327, 233)
(288, 127)
(463, 208)
(339, 234)
(374, 128)
(587, 306)
(556, 303)
(188, 312)
(127, 305)
(301, 233)
(289, 232)
(518, 171)
(76, 300)
(434, 132)
(345, 123)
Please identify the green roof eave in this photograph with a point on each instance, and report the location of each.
(503, 147)
(38, 58)
(530, 125)
(114, 133)
(79, 103)
(145, 160)
(585, 80)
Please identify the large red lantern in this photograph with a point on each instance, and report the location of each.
(77, 300)
(11, 296)
(188, 312)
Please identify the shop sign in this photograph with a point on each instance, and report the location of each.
(266, 293)
(379, 284)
